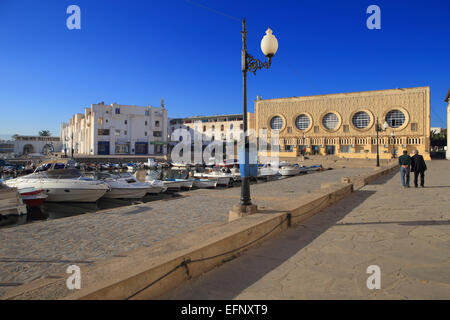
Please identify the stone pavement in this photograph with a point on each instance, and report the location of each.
(406, 232)
(45, 248)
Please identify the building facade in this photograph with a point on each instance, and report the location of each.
(116, 130)
(24, 145)
(344, 124)
(212, 128)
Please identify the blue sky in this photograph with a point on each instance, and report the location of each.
(139, 51)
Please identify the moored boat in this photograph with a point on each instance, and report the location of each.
(62, 182)
(10, 201)
(205, 183)
(290, 170)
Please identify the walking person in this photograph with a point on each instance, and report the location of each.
(405, 162)
(419, 167)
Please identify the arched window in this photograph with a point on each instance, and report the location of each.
(302, 122)
(395, 118)
(276, 123)
(330, 121)
(361, 120)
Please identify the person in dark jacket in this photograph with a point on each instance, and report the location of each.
(404, 161)
(418, 166)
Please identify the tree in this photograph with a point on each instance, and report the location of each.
(45, 133)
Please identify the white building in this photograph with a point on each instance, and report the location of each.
(24, 145)
(116, 130)
(447, 99)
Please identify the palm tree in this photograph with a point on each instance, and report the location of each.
(45, 133)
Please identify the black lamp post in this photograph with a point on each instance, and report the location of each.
(71, 136)
(393, 144)
(378, 128)
(269, 46)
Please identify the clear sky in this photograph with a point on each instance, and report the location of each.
(139, 51)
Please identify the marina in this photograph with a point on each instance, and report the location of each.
(59, 188)
(92, 233)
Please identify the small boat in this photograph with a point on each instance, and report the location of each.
(313, 168)
(267, 171)
(290, 170)
(33, 197)
(157, 186)
(205, 183)
(223, 179)
(185, 183)
(10, 201)
(123, 187)
(172, 185)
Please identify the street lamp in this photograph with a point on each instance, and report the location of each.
(393, 144)
(379, 129)
(269, 46)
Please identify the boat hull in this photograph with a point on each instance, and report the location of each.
(206, 183)
(126, 193)
(63, 191)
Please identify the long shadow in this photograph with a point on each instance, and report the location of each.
(227, 281)
(403, 223)
(430, 187)
(384, 179)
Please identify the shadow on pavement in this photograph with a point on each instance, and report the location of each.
(386, 178)
(404, 223)
(233, 277)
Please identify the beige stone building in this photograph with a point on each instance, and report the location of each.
(344, 124)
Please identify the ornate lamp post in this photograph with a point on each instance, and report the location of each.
(378, 128)
(269, 46)
(393, 144)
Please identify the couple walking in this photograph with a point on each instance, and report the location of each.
(414, 164)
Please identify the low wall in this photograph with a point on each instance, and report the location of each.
(360, 181)
(148, 273)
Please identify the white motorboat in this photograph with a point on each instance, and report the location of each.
(267, 171)
(11, 202)
(62, 183)
(290, 170)
(123, 187)
(157, 186)
(223, 179)
(172, 184)
(185, 183)
(313, 168)
(205, 183)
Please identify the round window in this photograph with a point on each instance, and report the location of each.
(302, 122)
(330, 121)
(276, 123)
(361, 120)
(395, 118)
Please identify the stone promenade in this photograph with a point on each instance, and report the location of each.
(406, 232)
(46, 248)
